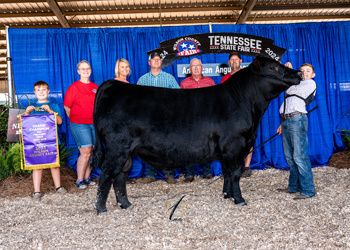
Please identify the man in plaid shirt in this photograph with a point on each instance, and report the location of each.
(157, 78)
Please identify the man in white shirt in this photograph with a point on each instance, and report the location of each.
(294, 134)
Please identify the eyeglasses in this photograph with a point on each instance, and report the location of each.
(84, 68)
(195, 66)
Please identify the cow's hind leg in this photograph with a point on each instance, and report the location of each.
(111, 173)
(119, 185)
(104, 185)
(232, 175)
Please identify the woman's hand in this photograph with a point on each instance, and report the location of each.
(67, 109)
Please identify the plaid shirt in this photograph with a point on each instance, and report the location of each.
(163, 79)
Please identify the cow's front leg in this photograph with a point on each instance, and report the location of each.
(231, 188)
(237, 194)
(120, 191)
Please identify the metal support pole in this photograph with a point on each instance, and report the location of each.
(11, 96)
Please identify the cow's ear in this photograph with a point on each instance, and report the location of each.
(256, 66)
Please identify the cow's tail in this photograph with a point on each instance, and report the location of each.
(98, 154)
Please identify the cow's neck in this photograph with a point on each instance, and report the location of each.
(234, 71)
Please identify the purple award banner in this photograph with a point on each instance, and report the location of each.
(40, 140)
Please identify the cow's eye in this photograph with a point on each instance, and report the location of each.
(272, 68)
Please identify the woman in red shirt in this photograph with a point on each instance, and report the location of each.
(79, 106)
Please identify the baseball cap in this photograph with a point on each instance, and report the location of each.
(234, 54)
(151, 56)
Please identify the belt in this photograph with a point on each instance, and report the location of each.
(286, 116)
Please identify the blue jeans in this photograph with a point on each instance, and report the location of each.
(84, 134)
(295, 145)
(189, 170)
(152, 172)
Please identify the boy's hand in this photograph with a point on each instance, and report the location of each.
(279, 130)
(288, 65)
(29, 109)
(47, 108)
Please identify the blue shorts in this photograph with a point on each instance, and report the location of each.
(84, 134)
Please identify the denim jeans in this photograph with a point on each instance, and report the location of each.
(295, 145)
(84, 134)
(189, 170)
(152, 172)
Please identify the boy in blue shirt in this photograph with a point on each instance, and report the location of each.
(44, 106)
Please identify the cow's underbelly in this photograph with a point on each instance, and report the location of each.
(173, 151)
(164, 145)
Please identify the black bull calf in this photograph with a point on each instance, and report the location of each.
(173, 128)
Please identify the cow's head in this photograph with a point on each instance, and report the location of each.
(276, 77)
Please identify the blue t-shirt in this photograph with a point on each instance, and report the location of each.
(54, 106)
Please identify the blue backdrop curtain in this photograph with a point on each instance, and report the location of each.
(51, 55)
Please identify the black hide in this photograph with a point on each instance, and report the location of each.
(172, 128)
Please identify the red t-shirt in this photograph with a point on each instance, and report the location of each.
(80, 97)
(225, 77)
(190, 83)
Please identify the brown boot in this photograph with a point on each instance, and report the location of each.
(170, 180)
(189, 179)
(146, 180)
(284, 190)
(300, 197)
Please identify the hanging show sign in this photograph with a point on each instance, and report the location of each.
(209, 69)
(13, 126)
(214, 43)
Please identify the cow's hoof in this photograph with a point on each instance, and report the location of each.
(226, 196)
(103, 213)
(100, 212)
(129, 207)
(242, 204)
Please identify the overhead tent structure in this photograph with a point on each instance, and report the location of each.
(51, 55)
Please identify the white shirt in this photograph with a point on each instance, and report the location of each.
(295, 104)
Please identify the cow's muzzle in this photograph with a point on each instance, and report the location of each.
(301, 75)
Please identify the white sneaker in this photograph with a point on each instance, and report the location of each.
(89, 182)
(81, 185)
(37, 196)
(61, 190)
